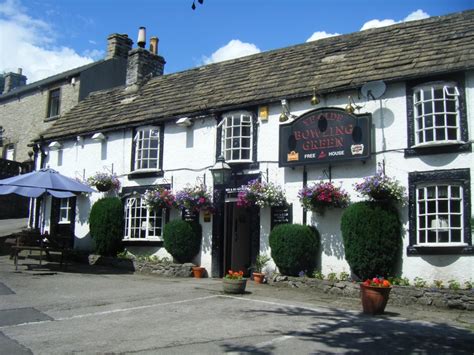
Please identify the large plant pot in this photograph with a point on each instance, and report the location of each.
(258, 277)
(374, 299)
(234, 286)
(198, 271)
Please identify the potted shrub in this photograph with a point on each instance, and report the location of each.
(260, 262)
(106, 226)
(159, 198)
(381, 187)
(260, 194)
(323, 195)
(234, 282)
(104, 181)
(374, 295)
(182, 239)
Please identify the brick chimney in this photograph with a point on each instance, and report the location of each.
(142, 65)
(118, 46)
(13, 80)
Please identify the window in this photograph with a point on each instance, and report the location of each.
(64, 211)
(440, 209)
(147, 149)
(437, 116)
(140, 222)
(1, 136)
(436, 113)
(10, 152)
(237, 137)
(53, 103)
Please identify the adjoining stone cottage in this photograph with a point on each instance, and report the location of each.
(413, 84)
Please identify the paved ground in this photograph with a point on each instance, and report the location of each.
(91, 310)
(9, 226)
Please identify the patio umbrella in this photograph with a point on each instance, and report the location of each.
(44, 181)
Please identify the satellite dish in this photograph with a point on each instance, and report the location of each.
(373, 89)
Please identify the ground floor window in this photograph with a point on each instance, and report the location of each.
(440, 210)
(140, 222)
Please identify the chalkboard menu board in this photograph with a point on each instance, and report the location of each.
(190, 215)
(281, 215)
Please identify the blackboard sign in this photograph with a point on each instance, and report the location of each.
(189, 215)
(281, 215)
(324, 136)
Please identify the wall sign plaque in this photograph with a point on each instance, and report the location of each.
(324, 136)
(281, 215)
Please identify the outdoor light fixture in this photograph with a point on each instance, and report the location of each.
(99, 137)
(184, 122)
(141, 37)
(54, 145)
(285, 114)
(314, 100)
(352, 106)
(221, 171)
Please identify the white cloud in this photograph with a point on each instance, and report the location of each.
(415, 15)
(95, 54)
(30, 43)
(233, 49)
(320, 35)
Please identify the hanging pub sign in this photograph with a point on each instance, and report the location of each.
(324, 136)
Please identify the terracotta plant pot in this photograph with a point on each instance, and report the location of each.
(233, 286)
(258, 277)
(374, 299)
(198, 271)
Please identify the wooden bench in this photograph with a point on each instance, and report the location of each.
(32, 240)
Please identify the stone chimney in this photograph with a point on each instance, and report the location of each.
(118, 46)
(142, 65)
(13, 80)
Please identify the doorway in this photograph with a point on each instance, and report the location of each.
(241, 238)
(63, 218)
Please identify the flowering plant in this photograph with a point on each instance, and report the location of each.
(104, 181)
(260, 194)
(381, 187)
(158, 198)
(323, 195)
(195, 199)
(377, 282)
(234, 275)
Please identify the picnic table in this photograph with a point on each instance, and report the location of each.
(33, 240)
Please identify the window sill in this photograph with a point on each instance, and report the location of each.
(52, 118)
(452, 147)
(414, 250)
(145, 174)
(143, 243)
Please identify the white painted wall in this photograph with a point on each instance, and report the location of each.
(189, 152)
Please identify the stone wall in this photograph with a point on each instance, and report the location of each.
(399, 296)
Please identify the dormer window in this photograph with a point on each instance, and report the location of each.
(237, 137)
(436, 114)
(53, 103)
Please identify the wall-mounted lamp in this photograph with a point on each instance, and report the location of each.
(352, 106)
(315, 100)
(221, 171)
(285, 114)
(99, 136)
(80, 140)
(184, 122)
(54, 145)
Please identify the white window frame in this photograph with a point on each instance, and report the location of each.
(139, 219)
(426, 108)
(50, 103)
(234, 143)
(64, 207)
(438, 220)
(142, 162)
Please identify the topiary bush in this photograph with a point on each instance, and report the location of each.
(371, 232)
(182, 239)
(106, 226)
(294, 248)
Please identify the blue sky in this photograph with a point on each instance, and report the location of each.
(45, 37)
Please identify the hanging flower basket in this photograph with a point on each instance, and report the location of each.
(380, 187)
(194, 199)
(374, 295)
(323, 195)
(261, 194)
(104, 182)
(159, 198)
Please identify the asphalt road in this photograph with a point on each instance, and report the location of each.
(87, 310)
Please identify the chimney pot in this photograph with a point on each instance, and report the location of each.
(154, 45)
(20, 71)
(141, 37)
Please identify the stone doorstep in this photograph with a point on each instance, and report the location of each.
(426, 298)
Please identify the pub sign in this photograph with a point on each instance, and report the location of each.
(324, 136)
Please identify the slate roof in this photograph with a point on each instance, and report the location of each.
(412, 49)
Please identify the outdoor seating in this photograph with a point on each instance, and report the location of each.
(33, 240)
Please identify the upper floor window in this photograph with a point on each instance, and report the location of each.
(53, 103)
(140, 222)
(147, 149)
(237, 137)
(436, 113)
(10, 152)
